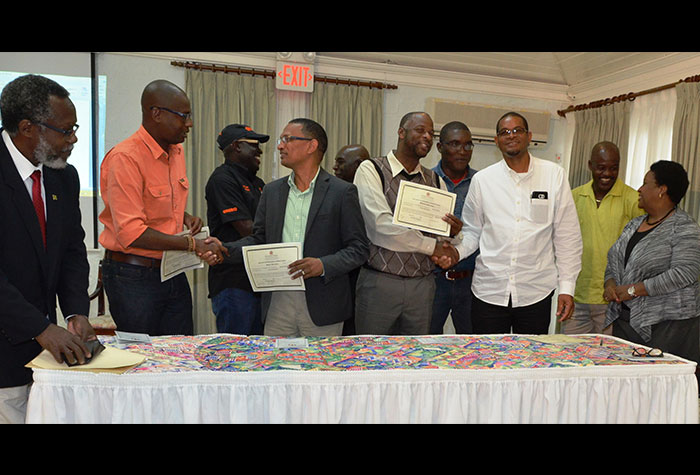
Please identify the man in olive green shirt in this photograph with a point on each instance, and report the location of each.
(604, 205)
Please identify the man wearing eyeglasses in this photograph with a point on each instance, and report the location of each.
(453, 286)
(42, 253)
(144, 187)
(521, 216)
(233, 193)
(321, 212)
(396, 288)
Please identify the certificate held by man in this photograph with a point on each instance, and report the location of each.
(267, 266)
(423, 207)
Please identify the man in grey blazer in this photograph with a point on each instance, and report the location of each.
(323, 213)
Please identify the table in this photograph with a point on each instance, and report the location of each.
(372, 379)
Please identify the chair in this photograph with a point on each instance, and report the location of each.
(103, 324)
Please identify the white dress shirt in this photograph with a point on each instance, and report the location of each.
(378, 215)
(24, 167)
(529, 242)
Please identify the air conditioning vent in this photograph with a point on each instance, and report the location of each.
(481, 119)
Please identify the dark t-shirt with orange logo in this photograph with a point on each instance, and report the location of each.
(232, 194)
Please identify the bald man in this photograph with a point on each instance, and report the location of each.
(348, 159)
(144, 188)
(604, 206)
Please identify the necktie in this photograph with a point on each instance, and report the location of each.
(39, 203)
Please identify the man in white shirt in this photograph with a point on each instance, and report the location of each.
(520, 214)
(396, 287)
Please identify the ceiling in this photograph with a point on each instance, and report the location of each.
(559, 68)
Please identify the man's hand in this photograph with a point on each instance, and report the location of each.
(210, 250)
(565, 307)
(193, 223)
(445, 255)
(455, 223)
(79, 325)
(59, 341)
(306, 267)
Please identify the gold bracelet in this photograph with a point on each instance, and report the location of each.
(190, 243)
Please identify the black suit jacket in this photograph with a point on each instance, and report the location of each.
(335, 233)
(31, 277)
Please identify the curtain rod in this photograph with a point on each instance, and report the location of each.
(624, 97)
(271, 74)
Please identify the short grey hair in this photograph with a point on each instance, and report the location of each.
(27, 97)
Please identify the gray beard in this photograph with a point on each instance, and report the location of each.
(43, 154)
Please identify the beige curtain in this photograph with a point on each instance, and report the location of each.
(686, 142)
(609, 123)
(217, 100)
(350, 115)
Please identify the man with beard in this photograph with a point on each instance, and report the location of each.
(42, 254)
(395, 289)
(144, 187)
(520, 214)
(233, 194)
(604, 206)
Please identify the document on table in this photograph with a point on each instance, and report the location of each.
(267, 266)
(423, 207)
(109, 360)
(177, 262)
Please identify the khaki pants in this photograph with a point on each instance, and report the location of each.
(13, 404)
(587, 318)
(288, 316)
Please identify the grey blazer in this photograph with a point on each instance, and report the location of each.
(335, 233)
(667, 261)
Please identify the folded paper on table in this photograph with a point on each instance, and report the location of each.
(110, 360)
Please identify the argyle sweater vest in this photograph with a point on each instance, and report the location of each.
(404, 264)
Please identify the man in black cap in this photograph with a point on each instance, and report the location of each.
(233, 192)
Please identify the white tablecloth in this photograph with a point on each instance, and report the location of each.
(620, 394)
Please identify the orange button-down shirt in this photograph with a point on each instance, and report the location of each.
(142, 187)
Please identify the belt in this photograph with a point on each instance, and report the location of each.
(458, 274)
(133, 259)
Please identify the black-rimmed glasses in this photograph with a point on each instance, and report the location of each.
(66, 132)
(650, 352)
(183, 115)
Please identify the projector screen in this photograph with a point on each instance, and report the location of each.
(80, 89)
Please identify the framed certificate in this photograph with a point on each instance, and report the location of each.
(423, 207)
(267, 266)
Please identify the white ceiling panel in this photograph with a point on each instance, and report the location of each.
(571, 69)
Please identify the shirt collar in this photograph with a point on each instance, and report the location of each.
(397, 167)
(292, 185)
(155, 149)
(468, 176)
(616, 189)
(24, 167)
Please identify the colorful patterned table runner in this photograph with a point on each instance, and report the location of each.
(259, 353)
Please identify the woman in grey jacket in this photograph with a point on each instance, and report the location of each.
(651, 279)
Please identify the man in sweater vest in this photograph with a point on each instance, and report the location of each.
(396, 287)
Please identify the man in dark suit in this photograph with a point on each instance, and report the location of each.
(323, 213)
(42, 254)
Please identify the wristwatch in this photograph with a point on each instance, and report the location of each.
(631, 292)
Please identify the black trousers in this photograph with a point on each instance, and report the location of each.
(529, 320)
(678, 337)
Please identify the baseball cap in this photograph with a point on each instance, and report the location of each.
(234, 132)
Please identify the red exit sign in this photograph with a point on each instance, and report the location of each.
(295, 76)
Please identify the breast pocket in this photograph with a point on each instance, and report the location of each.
(539, 207)
(159, 202)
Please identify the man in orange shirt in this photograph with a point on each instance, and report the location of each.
(144, 188)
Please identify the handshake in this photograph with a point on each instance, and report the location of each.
(445, 255)
(210, 250)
